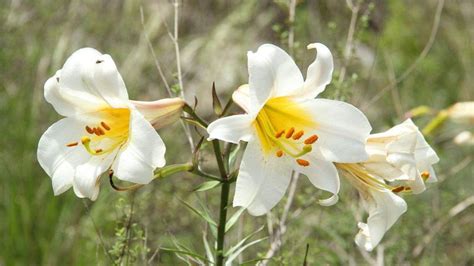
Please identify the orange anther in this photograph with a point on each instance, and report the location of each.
(311, 139)
(279, 153)
(98, 150)
(89, 130)
(279, 133)
(72, 144)
(398, 189)
(302, 162)
(425, 175)
(99, 131)
(298, 135)
(104, 125)
(290, 132)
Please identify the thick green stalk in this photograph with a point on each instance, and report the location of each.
(223, 207)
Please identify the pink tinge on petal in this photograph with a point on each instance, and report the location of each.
(162, 112)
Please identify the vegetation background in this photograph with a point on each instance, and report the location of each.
(390, 57)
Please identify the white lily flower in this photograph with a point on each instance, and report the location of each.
(288, 130)
(401, 155)
(102, 129)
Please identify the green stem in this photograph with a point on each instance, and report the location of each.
(223, 207)
(173, 169)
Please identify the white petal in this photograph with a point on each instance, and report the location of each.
(384, 210)
(272, 73)
(160, 113)
(58, 160)
(385, 171)
(342, 130)
(232, 128)
(242, 97)
(322, 174)
(86, 179)
(407, 164)
(144, 152)
(262, 182)
(319, 73)
(91, 79)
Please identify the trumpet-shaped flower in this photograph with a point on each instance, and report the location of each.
(400, 161)
(288, 130)
(102, 128)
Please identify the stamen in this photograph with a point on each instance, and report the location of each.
(279, 153)
(104, 125)
(302, 162)
(425, 175)
(290, 132)
(311, 139)
(398, 189)
(298, 135)
(98, 150)
(279, 133)
(72, 144)
(85, 140)
(89, 130)
(100, 131)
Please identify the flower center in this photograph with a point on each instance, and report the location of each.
(361, 178)
(280, 126)
(109, 128)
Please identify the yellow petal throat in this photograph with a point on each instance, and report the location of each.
(107, 130)
(281, 125)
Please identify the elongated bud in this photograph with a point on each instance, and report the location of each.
(160, 113)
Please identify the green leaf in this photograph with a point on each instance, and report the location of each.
(237, 253)
(234, 248)
(235, 217)
(193, 122)
(188, 253)
(209, 254)
(216, 103)
(207, 185)
(203, 215)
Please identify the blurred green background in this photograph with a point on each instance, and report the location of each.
(427, 47)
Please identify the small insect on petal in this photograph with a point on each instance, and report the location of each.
(302, 162)
(104, 125)
(279, 153)
(290, 132)
(72, 144)
(311, 139)
(279, 133)
(298, 135)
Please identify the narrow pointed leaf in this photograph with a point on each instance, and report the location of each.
(235, 217)
(237, 253)
(207, 185)
(216, 103)
(200, 213)
(234, 248)
(209, 254)
(184, 252)
(193, 122)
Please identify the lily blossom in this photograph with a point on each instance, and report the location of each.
(102, 128)
(400, 161)
(288, 130)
